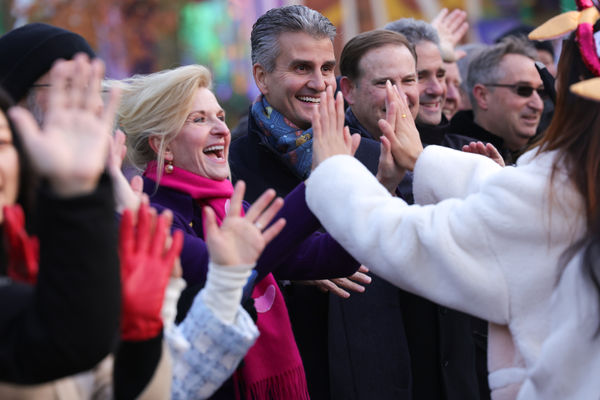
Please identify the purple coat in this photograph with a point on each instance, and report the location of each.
(297, 253)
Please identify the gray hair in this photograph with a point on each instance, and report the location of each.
(471, 50)
(415, 30)
(484, 67)
(296, 18)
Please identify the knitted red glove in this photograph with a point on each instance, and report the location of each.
(146, 265)
(23, 250)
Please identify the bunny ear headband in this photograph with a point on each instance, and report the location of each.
(583, 21)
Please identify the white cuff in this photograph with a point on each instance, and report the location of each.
(169, 308)
(223, 290)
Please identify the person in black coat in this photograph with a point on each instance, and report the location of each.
(67, 321)
(274, 151)
(446, 361)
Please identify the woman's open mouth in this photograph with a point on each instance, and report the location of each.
(216, 152)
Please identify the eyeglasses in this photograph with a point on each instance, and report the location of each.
(521, 90)
(47, 85)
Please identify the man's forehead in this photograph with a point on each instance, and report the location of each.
(428, 56)
(382, 53)
(519, 67)
(305, 47)
(389, 56)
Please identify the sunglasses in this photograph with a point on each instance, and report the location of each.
(521, 90)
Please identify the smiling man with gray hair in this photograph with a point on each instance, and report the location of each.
(293, 64)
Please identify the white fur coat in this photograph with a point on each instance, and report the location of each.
(484, 240)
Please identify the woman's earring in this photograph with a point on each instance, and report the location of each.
(169, 167)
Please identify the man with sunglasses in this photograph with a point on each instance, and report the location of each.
(506, 94)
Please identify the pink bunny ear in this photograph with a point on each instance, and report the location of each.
(586, 40)
(583, 4)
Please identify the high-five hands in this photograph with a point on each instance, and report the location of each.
(400, 131)
(71, 148)
(330, 136)
(241, 239)
(390, 173)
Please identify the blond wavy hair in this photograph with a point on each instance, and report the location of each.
(157, 105)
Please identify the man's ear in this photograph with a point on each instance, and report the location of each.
(482, 96)
(154, 142)
(347, 89)
(260, 78)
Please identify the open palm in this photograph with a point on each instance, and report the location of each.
(241, 239)
(71, 147)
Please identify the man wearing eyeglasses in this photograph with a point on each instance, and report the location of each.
(506, 94)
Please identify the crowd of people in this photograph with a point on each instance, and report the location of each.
(424, 225)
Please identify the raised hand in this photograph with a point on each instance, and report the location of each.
(147, 261)
(241, 239)
(487, 150)
(127, 195)
(71, 148)
(330, 136)
(451, 27)
(23, 250)
(399, 129)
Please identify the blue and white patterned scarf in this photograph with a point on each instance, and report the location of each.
(292, 143)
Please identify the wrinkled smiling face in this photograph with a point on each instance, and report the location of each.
(367, 94)
(202, 145)
(9, 167)
(432, 84)
(303, 69)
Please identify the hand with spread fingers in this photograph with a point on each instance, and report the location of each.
(147, 262)
(451, 28)
(127, 194)
(487, 150)
(72, 146)
(241, 238)
(400, 130)
(331, 137)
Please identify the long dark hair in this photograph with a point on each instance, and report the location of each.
(575, 134)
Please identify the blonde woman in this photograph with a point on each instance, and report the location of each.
(176, 134)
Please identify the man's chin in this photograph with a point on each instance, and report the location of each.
(433, 119)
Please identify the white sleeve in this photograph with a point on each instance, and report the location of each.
(442, 173)
(441, 252)
(569, 364)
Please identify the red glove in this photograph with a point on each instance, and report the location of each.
(146, 265)
(23, 250)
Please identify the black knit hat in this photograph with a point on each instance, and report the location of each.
(28, 52)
